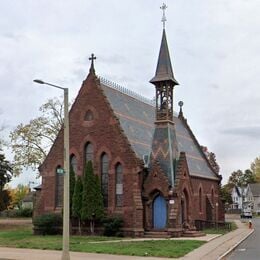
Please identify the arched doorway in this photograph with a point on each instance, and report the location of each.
(184, 207)
(159, 213)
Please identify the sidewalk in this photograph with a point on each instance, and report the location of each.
(34, 254)
(218, 248)
(215, 249)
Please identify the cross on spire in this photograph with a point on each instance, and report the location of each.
(92, 58)
(163, 7)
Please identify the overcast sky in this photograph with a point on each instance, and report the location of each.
(214, 47)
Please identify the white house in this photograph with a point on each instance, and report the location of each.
(252, 197)
(27, 201)
(237, 197)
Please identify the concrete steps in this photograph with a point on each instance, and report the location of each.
(164, 234)
(193, 233)
(156, 234)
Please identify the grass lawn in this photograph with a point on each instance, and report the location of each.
(22, 237)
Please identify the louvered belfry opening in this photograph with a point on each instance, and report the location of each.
(164, 101)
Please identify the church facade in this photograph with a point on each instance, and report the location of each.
(154, 173)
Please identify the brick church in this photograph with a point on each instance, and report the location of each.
(153, 172)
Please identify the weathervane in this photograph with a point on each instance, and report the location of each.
(163, 7)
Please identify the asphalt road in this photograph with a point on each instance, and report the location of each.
(250, 248)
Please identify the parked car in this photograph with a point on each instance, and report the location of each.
(246, 213)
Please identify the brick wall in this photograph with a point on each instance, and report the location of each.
(106, 135)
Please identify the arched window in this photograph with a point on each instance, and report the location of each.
(212, 196)
(200, 200)
(89, 116)
(59, 187)
(119, 185)
(88, 152)
(73, 163)
(104, 177)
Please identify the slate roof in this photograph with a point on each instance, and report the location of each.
(137, 120)
(255, 189)
(165, 149)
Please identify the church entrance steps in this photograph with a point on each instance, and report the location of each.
(193, 233)
(156, 234)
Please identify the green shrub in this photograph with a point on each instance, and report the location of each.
(48, 224)
(10, 213)
(25, 212)
(112, 226)
(17, 213)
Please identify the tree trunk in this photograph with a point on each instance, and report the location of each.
(92, 227)
(79, 226)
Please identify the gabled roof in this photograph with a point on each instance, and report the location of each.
(255, 188)
(137, 121)
(164, 70)
(39, 187)
(238, 191)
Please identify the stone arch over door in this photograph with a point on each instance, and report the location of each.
(185, 207)
(159, 212)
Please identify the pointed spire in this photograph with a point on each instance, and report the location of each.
(92, 58)
(164, 70)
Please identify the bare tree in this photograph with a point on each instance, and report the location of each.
(31, 142)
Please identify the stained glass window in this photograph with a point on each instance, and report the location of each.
(119, 185)
(88, 152)
(73, 163)
(212, 196)
(200, 199)
(89, 116)
(104, 178)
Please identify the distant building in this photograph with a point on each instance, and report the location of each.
(28, 200)
(237, 195)
(153, 171)
(252, 197)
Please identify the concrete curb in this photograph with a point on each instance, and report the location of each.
(236, 245)
(218, 235)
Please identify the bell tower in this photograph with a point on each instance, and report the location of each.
(164, 80)
(164, 145)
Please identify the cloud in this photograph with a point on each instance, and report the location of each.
(250, 132)
(214, 86)
(113, 59)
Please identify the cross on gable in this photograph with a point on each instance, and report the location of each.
(92, 58)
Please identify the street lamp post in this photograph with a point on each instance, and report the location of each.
(66, 207)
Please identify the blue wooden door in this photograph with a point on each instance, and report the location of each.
(159, 213)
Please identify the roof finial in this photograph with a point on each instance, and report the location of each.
(92, 58)
(180, 105)
(163, 7)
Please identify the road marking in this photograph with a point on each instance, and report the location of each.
(241, 249)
